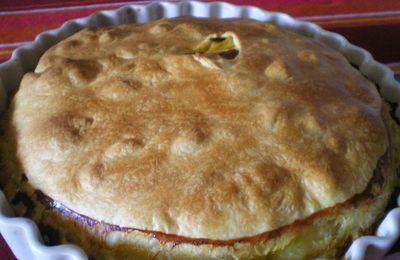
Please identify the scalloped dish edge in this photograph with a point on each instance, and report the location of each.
(22, 234)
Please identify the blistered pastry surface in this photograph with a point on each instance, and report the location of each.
(135, 126)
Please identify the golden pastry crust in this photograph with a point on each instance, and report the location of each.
(322, 234)
(144, 126)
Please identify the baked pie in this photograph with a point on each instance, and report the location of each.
(195, 138)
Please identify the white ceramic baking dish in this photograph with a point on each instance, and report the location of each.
(22, 234)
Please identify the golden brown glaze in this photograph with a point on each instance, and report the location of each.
(139, 127)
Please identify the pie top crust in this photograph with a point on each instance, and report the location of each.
(197, 127)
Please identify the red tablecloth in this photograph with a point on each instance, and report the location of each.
(374, 25)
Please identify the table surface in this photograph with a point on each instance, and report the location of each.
(373, 25)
